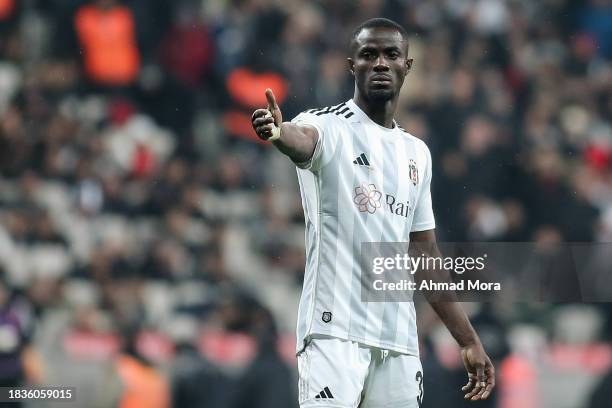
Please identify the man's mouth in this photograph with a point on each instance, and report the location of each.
(380, 80)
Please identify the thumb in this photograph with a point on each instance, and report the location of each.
(271, 100)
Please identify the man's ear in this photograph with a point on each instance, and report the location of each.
(351, 66)
(408, 64)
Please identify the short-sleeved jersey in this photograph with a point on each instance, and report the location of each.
(364, 183)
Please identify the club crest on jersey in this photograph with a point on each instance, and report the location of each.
(326, 317)
(367, 198)
(413, 172)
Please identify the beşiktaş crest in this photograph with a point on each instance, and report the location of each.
(413, 172)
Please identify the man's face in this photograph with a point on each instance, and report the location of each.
(379, 63)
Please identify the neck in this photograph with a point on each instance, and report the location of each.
(380, 112)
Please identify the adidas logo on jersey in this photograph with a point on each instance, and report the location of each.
(362, 160)
(326, 393)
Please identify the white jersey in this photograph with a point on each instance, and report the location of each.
(364, 183)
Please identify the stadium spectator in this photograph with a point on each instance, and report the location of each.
(188, 32)
(143, 384)
(14, 338)
(106, 31)
(20, 364)
(196, 381)
(267, 382)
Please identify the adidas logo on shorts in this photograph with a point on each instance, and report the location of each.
(326, 393)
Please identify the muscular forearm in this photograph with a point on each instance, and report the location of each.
(481, 372)
(450, 312)
(455, 319)
(444, 303)
(297, 142)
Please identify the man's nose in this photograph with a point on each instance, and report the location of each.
(381, 64)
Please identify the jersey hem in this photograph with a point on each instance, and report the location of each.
(380, 345)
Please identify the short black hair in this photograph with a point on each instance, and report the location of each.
(377, 22)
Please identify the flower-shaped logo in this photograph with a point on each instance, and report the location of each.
(367, 198)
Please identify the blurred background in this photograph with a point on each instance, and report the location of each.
(151, 248)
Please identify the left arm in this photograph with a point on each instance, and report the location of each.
(481, 373)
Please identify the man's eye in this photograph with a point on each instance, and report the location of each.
(394, 55)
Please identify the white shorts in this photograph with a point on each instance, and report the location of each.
(346, 374)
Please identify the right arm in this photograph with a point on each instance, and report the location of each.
(295, 141)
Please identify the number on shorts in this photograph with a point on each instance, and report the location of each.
(419, 378)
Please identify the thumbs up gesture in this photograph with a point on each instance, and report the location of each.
(266, 122)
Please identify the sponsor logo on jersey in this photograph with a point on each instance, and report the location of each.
(368, 199)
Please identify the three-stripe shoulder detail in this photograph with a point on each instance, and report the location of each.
(338, 110)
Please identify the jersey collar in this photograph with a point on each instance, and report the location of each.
(361, 116)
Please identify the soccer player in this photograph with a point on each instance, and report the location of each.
(364, 179)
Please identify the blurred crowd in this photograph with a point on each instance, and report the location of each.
(151, 247)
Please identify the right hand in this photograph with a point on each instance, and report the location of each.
(263, 120)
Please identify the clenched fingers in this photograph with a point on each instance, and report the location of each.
(266, 130)
(259, 113)
(263, 123)
(260, 121)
